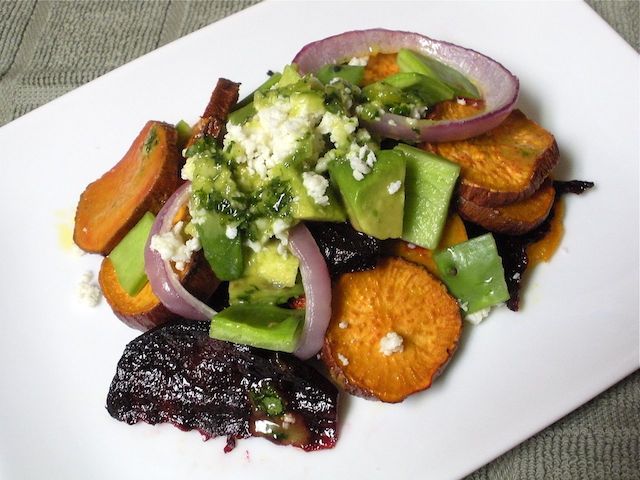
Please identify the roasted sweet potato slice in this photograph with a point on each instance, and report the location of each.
(144, 310)
(397, 298)
(141, 182)
(454, 232)
(213, 120)
(506, 164)
(456, 109)
(513, 219)
(380, 66)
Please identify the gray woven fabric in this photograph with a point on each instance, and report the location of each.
(43, 54)
(623, 16)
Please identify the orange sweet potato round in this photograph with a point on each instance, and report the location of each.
(144, 310)
(397, 297)
(513, 219)
(504, 165)
(141, 182)
(380, 66)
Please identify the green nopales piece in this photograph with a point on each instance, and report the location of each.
(410, 61)
(261, 326)
(429, 184)
(429, 90)
(128, 256)
(473, 272)
(184, 132)
(256, 290)
(351, 73)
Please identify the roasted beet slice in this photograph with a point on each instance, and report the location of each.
(577, 187)
(344, 248)
(175, 373)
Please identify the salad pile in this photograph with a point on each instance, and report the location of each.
(356, 207)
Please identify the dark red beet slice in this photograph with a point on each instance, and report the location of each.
(175, 373)
(344, 248)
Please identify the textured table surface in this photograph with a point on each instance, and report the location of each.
(49, 48)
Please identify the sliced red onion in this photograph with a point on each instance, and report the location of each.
(317, 290)
(163, 279)
(498, 86)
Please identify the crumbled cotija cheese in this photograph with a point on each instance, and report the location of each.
(477, 317)
(171, 246)
(343, 324)
(231, 232)
(361, 159)
(359, 61)
(280, 232)
(338, 127)
(255, 246)
(391, 343)
(393, 187)
(188, 168)
(316, 186)
(271, 136)
(343, 360)
(88, 293)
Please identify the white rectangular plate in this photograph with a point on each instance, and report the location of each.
(513, 375)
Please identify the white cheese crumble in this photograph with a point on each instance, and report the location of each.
(361, 159)
(461, 101)
(188, 169)
(255, 246)
(172, 247)
(324, 161)
(231, 232)
(270, 136)
(392, 123)
(476, 317)
(280, 231)
(359, 61)
(411, 246)
(87, 292)
(343, 324)
(418, 112)
(338, 127)
(316, 186)
(343, 360)
(391, 343)
(393, 187)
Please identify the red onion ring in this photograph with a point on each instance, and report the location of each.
(313, 269)
(317, 290)
(164, 281)
(498, 86)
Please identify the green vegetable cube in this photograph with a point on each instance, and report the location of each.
(473, 272)
(261, 326)
(128, 256)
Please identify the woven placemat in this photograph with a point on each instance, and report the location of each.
(43, 54)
